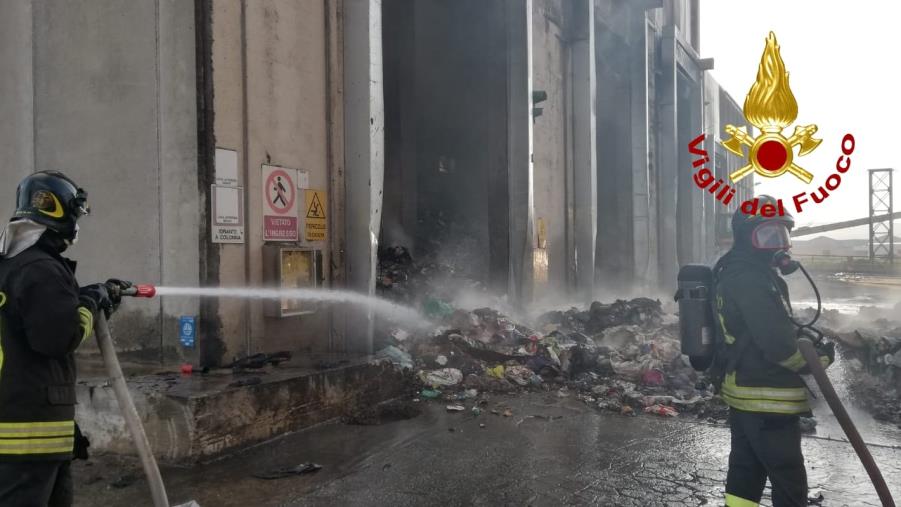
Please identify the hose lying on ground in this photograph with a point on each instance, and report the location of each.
(819, 373)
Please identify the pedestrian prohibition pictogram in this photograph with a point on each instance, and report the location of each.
(280, 220)
(280, 191)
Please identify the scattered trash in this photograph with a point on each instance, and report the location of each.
(442, 377)
(661, 410)
(281, 473)
(396, 356)
(441, 360)
(496, 372)
(429, 394)
(455, 408)
(482, 425)
(476, 411)
(508, 413)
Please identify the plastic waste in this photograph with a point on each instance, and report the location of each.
(455, 408)
(661, 410)
(396, 356)
(430, 394)
(442, 377)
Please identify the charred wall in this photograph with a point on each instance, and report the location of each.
(445, 134)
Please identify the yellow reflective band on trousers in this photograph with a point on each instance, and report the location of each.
(794, 363)
(87, 322)
(45, 437)
(737, 501)
(774, 400)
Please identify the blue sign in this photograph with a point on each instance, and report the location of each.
(187, 331)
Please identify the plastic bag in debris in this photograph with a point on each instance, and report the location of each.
(633, 370)
(396, 356)
(661, 410)
(520, 375)
(442, 377)
(496, 372)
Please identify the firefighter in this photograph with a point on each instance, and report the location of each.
(44, 317)
(763, 385)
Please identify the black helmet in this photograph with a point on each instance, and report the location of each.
(52, 199)
(759, 231)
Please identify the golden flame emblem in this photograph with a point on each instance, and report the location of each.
(771, 107)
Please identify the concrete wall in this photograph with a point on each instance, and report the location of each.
(270, 102)
(104, 91)
(549, 60)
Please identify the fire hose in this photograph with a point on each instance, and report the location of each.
(807, 334)
(126, 404)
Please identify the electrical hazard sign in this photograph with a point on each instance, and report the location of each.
(279, 204)
(316, 221)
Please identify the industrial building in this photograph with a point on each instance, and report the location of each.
(278, 143)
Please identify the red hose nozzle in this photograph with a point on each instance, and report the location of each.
(140, 291)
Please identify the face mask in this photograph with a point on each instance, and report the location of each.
(771, 236)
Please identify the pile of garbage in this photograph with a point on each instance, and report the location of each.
(869, 345)
(622, 357)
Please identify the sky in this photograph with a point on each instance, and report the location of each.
(845, 71)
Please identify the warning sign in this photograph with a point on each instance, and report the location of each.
(279, 204)
(316, 223)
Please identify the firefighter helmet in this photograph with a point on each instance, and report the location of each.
(52, 199)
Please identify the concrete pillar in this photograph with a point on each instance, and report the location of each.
(644, 218)
(667, 159)
(519, 146)
(364, 120)
(179, 209)
(16, 100)
(584, 154)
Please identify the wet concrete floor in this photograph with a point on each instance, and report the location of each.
(551, 451)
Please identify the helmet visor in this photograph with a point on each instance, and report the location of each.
(771, 236)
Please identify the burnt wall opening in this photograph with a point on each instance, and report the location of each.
(445, 191)
(614, 259)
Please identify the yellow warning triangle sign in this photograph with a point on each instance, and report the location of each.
(316, 210)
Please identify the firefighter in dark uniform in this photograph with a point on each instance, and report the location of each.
(44, 317)
(763, 385)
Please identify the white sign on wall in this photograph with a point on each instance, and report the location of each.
(228, 214)
(226, 167)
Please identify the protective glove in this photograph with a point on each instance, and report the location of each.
(826, 353)
(115, 288)
(95, 297)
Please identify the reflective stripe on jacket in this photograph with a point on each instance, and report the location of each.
(41, 325)
(762, 375)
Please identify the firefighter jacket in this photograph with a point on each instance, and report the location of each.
(41, 325)
(763, 361)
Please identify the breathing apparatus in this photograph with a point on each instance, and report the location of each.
(767, 240)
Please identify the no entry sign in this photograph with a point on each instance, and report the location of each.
(279, 204)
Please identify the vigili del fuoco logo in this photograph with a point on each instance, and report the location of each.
(771, 107)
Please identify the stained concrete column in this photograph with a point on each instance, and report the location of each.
(519, 148)
(364, 120)
(667, 159)
(644, 218)
(16, 99)
(180, 210)
(585, 168)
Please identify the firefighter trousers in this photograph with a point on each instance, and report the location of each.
(36, 484)
(765, 446)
